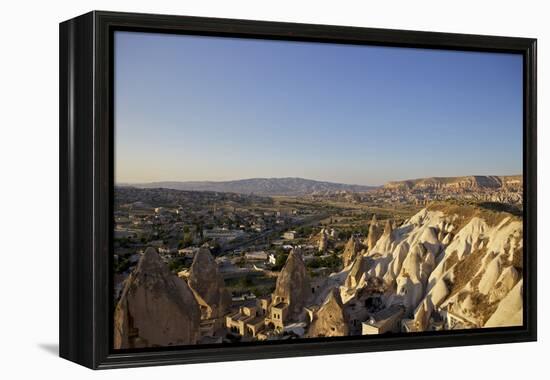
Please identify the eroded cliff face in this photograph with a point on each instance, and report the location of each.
(156, 308)
(208, 285)
(457, 183)
(293, 285)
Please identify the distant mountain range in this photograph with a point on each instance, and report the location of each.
(258, 186)
(300, 186)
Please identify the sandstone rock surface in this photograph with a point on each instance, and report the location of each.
(350, 251)
(208, 285)
(293, 285)
(510, 310)
(323, 241)
(330, 320)
(156, 308)
(375, 231)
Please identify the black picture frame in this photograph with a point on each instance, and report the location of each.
(86, 186)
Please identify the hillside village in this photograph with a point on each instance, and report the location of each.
(210, 268)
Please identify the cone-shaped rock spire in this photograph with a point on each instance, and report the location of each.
(330, 319)
(374, 233)
(156, 308)
(208, 286)
(293, 286)
(350, 251)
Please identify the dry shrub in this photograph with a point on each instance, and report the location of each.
(483, 309)
(452, 260)
(465, 270)
(465, 211)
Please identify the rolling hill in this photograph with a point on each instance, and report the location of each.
(259, 186)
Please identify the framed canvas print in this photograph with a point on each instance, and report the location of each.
(236, 189)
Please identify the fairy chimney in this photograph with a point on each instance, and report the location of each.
(156, 308)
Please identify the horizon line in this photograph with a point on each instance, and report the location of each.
(310, 179)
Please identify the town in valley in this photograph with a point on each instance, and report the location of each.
(288, 258)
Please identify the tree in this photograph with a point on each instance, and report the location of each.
(187, 240)
(333, 262)
(215, 248)
(280, 261)
(246, 281)
(121, 265)
(178, 264)
(198, 229)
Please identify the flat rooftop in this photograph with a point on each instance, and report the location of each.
(281, 305)
(255, 320)
(383, 315)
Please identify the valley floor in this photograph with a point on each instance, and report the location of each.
(357, 270)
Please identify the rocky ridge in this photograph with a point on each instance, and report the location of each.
(466, 182)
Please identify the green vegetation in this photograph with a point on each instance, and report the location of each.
(333, 262)
(122, 242)
(245, 282)
(304, 231)
(280, 261)
(259, 285)
(345, 234)
(178, 264)
(122, 265)
(187, 240)
(215, 248)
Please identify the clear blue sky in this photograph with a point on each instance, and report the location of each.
(207, 108)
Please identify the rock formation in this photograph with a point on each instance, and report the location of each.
(323, 240)
(208, 286)
(293, 286)
(388, 228)
(350, 251)
(374, 233)
(506, 281)
(385, 241)
(433, 266)
(457, 183)
(490, 276)
(510, 310)
(330, 319)
(501, 189)
(156, 308)
(356, 272)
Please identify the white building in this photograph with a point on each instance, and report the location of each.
(289, 235)
(223, 234)
(257, 255)
(386, 320)
(188, 252)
